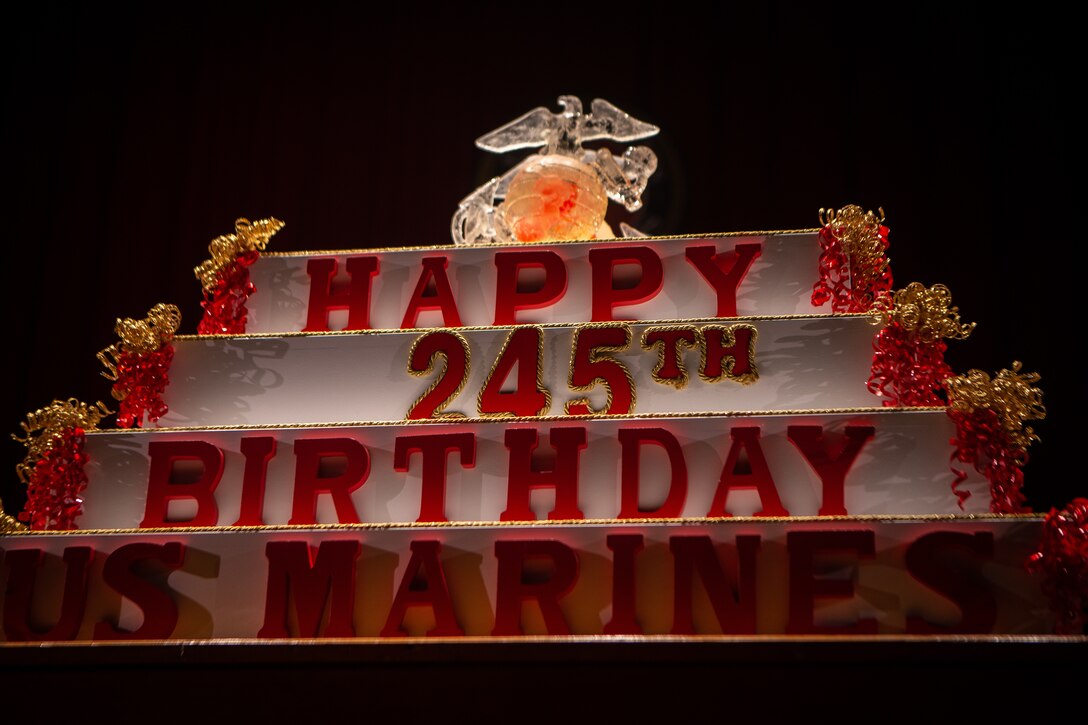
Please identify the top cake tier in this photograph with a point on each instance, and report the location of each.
(734, 275)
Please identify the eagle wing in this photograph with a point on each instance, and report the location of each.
(528, 131)
(607, 121)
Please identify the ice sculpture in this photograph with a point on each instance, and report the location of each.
(562, 192)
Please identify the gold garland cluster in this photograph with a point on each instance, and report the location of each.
(8, 523)
(858, 231)
(141, 336)
(49, 423)
(248, 236)
(1010, 394)
(927, 313)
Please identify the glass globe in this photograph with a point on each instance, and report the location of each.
(554, 198)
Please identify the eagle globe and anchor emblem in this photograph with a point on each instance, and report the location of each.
(562, 191)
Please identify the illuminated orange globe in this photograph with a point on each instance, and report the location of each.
(555, 197)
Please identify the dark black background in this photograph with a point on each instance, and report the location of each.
(132, 137)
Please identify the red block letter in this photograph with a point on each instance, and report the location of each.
(759, 477)
(606, 295)
(734, 605)
(803, 547)
(509, 298)
(929, 561)
(670, 368)
(433, 292)
(309, 483)
(258, 452)
(356, 299)
(631, 440)
(724, 271)
(18, 601)
(159, 608)
(524, 476)
(314, 583)
(728, 352)
(524, 349)
(512, 589)
(434, 594)
(435, 448)
(624, 620)
(831, 463)
(161, 489)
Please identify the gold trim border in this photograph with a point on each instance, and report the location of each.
(543, 523)
(522, 419)
(536, 639)
(634, 240)
(547, 325)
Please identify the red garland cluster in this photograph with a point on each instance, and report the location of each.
(1062, 560)
(981, 441)
(225, 306)
(906, 370)
(141, 381)
(844, 281)
(55, 486)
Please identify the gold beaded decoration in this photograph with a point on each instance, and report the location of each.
(248, 237)
(1009, 394)
(926, 313)
(49, 423)
(858, 231)
(141, 336)
(8, 523)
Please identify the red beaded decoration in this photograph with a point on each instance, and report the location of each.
(981, 441)
(990, 433)
(141, 381)
(225, 311)
(54, 490)
(53, 469)
(908, 363)
(1062, 560)
(138, 364)
(905, 372)
(834, 274)
(225, 276)
(854, 267)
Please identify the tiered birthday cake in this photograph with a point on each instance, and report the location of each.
(506, 437)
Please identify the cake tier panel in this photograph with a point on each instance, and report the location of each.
(778, 281)
(799, 363)
(881, 461)
(862, 577)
